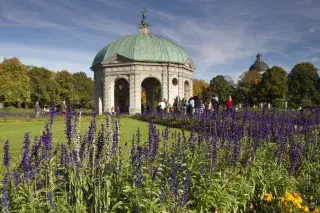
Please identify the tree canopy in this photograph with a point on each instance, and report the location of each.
(302, 85)
(14, 82)
(84, 88)
(42, 85)
(273, 86)
(199, 86)
(220, 87)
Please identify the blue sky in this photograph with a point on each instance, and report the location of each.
(221, 36)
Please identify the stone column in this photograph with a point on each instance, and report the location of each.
(180, 84)
(111, 93)
(135, 93)
(191, 88)
(132, 95)
(165, 85)
(106, 93)
(98, 99)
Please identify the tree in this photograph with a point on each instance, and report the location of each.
(273, 86)
(302, 85)
(199, 86)
(246, 91)
(84, 89)
(252, 77)
(66, 84)
(43, 88)
(14, 82)
(220, 87)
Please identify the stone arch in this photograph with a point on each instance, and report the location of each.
(187, 89)
(121, 95)
(151, 87)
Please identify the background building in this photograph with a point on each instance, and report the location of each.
(259, 65)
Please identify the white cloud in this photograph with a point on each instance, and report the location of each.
(55, 59)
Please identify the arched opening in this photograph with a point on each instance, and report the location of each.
(150, 94)
(187, 90)
(121, 96)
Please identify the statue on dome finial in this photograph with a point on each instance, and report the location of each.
(144, 16)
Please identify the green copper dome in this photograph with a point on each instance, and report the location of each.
(259, 65)
(143, 47)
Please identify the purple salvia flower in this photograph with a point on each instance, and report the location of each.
(139, 168)
(138, 137)
(68, 130)
(155, 173)
(47, 142)
(25, 163)
(6, 156)
(35, 152)
(173, 179)
(51, 202)
(186, 184)
(5, 192)
(294, 157)
(52, 112)
(100, 145)
(64, 155)
(92, 131)
(16, 178)
(166, 134)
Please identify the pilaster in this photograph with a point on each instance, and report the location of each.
(180, 84)
(106, 93)
(165, 83)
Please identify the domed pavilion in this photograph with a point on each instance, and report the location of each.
(259, 65)
(140, 61)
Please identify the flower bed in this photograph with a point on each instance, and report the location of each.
(246, 162)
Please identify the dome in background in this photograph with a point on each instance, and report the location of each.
(259, 65)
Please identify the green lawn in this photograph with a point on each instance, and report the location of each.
(14, 132)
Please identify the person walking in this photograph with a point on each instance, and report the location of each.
(37, 109)
(229, 104)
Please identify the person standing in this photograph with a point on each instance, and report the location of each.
(162, 106)
(197, 104)
(190, 106)
(168, 106)
(37, 109)
(215, 103)
(229, 104)
(184, 106)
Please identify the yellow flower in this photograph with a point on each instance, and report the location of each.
(316, 211)
(305, 209)
(267, 197)
(299, 206)
(284, 204)
(288, 197)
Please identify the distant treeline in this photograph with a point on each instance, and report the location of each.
(22, 86)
